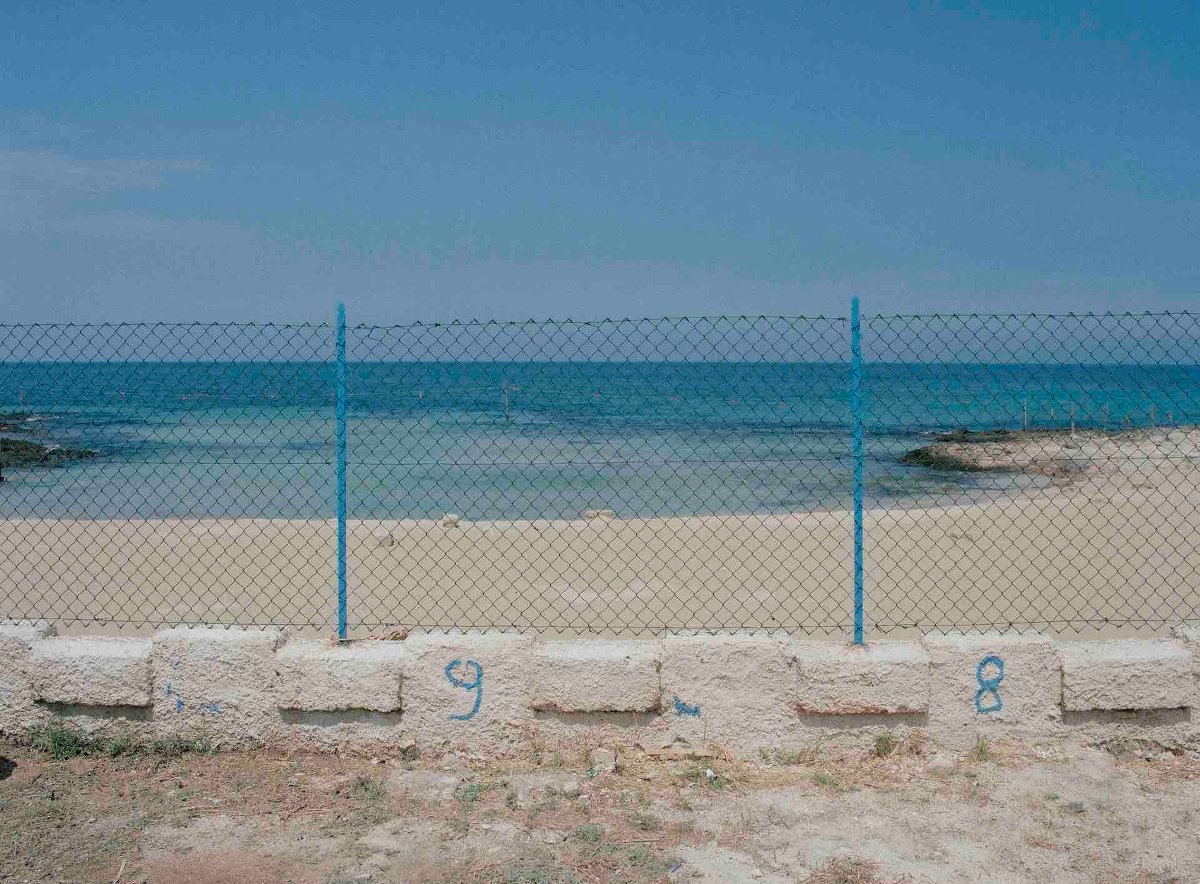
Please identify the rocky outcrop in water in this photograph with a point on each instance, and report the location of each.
(1062, 454)
(23, 452)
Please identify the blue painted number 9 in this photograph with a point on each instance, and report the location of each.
(469, 684)
(989, 688)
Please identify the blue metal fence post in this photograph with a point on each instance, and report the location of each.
(856, 408)
(341, 471)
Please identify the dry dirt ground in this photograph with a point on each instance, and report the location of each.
(1000, 813)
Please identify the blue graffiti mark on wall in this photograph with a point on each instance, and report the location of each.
(211, 708)
(475, 684)
(989, 687)
(682, 708)
(169, 692)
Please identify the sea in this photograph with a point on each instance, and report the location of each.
(534, 440)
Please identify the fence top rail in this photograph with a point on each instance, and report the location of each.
(1087, 314)
(106, 326)
(629, 320)
(625, 320)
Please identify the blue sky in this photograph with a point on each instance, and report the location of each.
(504, 160)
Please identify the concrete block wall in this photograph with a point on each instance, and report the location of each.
(1111, 675)
(18, 711)
(92, 671)
(216, 682)
(744, 693)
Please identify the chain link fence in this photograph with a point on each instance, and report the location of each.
(1063, 457)
(618, 477)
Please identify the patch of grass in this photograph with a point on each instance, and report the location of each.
(523, 870)
(369, 788)
(176, 747)
(982, 751)
(590, 833)
(535, 872)
(846, 870)
(1075, 807)
(468, 793)
(641, 857)
(121, 744)
(544, 757)
(61, 741)
(605, 859)
(639, 854)
(885, 745)
(789, 757)
(646, 822)
(823, 779)
(704, 775)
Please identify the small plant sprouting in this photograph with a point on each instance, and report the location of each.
(121, 744)
(646, 822)
(823, 779)
(590, 832)
(982, 751)
(61, 741)
(885, 745)
(369, 788)
(469, 793)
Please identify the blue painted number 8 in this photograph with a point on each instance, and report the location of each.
(989, 688)
(475, 684)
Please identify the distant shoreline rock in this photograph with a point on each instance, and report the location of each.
(1062, 454)
(22, 453)
(15, 421)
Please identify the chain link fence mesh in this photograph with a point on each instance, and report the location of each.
(610, 477)
(618, 477)
(158, 474)
(1064, 456)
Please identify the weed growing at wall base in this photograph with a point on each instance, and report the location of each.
(62, 742)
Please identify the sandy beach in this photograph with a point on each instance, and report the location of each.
(1112, 541)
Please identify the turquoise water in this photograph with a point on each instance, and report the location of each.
(531, 439)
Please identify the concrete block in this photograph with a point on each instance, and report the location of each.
(469, 689)
(1187, 632)
(1190, 636)
(320, 677)
(595, 676)
(93, 671)
(215, 683)
(880, 678)
(730, 689)
(1126, 674)
(24, 632)
(18, 712)
(993, 686)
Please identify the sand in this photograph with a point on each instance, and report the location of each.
(1112, 550)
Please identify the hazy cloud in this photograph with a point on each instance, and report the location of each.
(54, 172)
